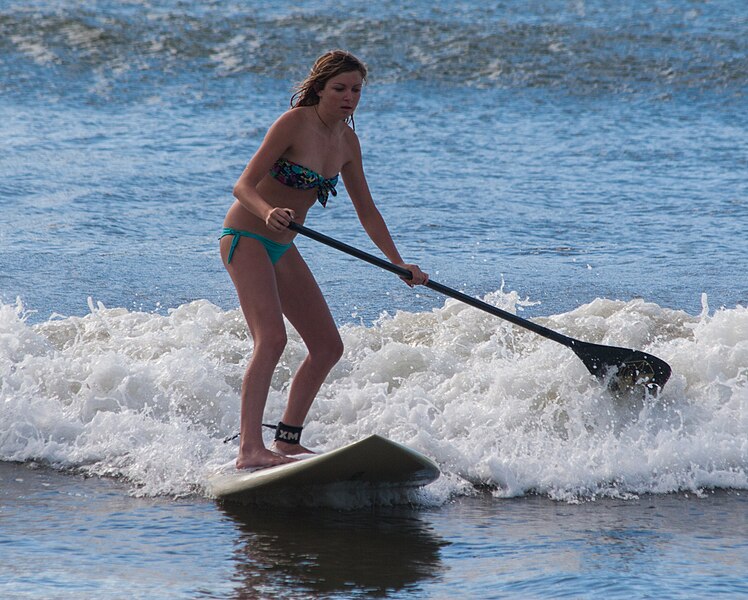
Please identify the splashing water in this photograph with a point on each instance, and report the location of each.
(149, 398)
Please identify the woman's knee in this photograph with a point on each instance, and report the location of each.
(327, 352)
(270, 344)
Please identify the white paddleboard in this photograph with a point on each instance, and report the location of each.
(374, 461)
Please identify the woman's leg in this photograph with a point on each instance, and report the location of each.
(254, 278)
(306, 309)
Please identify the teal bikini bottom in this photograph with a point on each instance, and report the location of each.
(274, 249)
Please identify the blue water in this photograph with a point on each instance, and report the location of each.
(87, 540)
(582, 163)
(566, 146)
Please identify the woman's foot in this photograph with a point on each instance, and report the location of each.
(287, 449)
(260, 459)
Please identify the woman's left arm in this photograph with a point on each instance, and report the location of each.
(369, 215)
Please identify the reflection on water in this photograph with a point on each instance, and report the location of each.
(292, 552)
(66, 536)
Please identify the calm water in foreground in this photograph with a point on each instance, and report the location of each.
(73, 538)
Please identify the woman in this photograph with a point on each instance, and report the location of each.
(296, 165)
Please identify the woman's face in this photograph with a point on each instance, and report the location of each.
(341, 94)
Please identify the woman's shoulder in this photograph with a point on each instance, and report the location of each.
(293, 116)
(351, 139)
(288, 126)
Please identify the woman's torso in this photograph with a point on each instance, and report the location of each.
(319, 150)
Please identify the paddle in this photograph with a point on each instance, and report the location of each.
(621, 368)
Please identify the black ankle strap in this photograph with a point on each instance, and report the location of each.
(288, 433)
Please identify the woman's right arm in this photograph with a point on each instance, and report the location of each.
(276, 143)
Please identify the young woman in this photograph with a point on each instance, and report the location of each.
(296, 165)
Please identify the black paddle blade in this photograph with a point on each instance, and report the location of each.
(625, 370)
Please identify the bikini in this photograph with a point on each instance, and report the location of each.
(274, 249)
(296, 176)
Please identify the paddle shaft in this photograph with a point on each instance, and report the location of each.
(438, 287)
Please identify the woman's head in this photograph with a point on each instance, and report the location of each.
(329, 65)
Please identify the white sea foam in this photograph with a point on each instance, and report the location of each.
(149, 398)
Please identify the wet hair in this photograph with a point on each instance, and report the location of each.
(327, 66)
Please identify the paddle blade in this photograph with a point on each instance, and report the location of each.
(625, 370)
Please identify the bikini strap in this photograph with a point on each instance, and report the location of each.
(237, 234)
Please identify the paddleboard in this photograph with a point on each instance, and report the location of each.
(372, 462)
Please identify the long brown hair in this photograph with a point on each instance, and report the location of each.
(327, 66)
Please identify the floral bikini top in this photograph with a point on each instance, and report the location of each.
(299, 177)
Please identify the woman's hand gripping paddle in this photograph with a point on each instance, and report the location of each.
(622, 369)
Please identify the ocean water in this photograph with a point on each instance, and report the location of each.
(581, 163)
